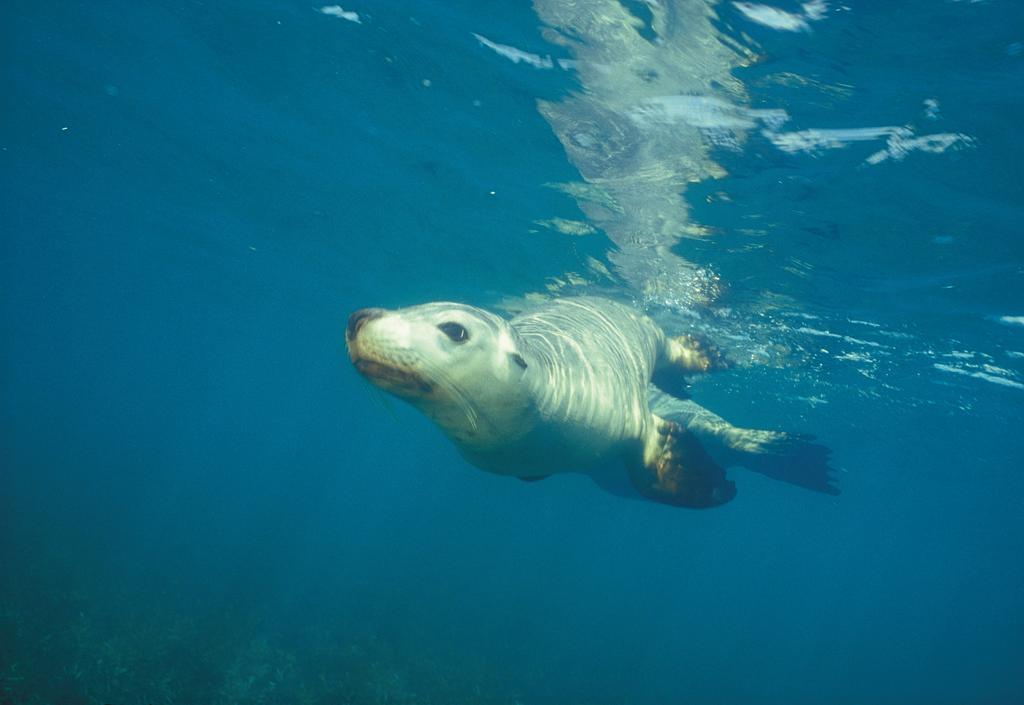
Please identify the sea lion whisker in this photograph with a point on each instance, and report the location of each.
(465, 405)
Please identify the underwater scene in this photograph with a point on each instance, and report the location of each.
(460, 352)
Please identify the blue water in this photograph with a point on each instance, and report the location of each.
(202, 502)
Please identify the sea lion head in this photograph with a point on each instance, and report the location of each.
(462, 366)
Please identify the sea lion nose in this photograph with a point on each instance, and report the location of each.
(359, 319)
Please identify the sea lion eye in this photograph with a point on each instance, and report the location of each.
(456, 332)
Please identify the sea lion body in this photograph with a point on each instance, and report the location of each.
(590, 361)
(563, 388)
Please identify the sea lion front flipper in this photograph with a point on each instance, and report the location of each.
(675, 469)
(694, 354)
(533, 478)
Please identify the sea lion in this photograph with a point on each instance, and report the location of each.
(563, 388)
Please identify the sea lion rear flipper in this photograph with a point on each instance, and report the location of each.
(675, 469)
(792, 458)
(533, 478)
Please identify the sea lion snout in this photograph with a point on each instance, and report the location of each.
(359, 319)
(393, 352)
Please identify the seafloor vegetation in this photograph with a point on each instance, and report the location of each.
(68, 640)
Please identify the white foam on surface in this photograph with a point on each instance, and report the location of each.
(846, 338)
(340, 12)
(706, 112)
(517, 55)
(899, 141)
(899, 145)
(978, 374)
(813, 140)
(773, 17)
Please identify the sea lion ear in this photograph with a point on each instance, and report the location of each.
(508, 344)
